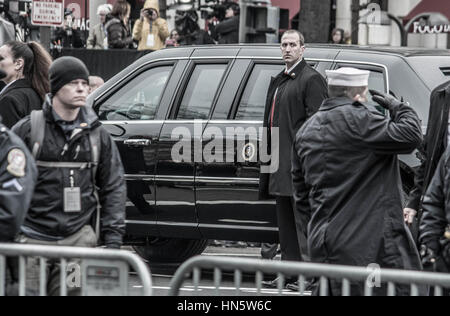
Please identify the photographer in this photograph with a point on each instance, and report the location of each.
(227, 31)
(68, 36)
(118, 27)
(150, 30)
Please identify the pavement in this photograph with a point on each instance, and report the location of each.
(162, 276)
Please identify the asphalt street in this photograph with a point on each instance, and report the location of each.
(162, 276)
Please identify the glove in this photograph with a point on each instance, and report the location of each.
(385, 100)
(428, 255)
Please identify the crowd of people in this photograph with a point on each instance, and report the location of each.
(149, 32)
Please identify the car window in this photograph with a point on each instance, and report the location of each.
(251, 106)
(200, 92)
(376, 82)
(138, 99)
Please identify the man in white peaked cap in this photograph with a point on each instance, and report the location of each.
(346, 179)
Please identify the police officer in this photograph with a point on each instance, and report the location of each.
(435, 221)
(347, 179)
(80, 170)
(17, 180)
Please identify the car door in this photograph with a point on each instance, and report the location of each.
(175, 178)
(133, 114)
(227, 184)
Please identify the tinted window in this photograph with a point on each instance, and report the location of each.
(376, 82)
(200, 92)
(253, 99)
(138, 99)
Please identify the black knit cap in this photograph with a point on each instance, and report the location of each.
(64, 70)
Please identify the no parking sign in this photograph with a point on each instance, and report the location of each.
(47, 12)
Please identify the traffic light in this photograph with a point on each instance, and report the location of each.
(259, 22)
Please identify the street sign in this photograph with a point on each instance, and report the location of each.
(47, 12)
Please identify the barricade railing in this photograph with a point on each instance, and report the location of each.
(102, 272)
(347, 276)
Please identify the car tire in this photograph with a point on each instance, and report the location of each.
(171, 250)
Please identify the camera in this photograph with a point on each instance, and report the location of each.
(150, 12)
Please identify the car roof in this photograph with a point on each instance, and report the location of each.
(272, 50)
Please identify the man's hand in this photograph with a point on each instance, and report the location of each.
(385, 100)
(428, 255)
(144, 15)
(409, 214)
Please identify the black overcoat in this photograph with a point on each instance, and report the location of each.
(299, 96)
(348, 188)
(18, 101)
(434, 143)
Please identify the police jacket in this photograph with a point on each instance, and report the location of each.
(347, 184)
(434, 143)
(17, 101)
(436, 206)
(46, 215)
(18, 175)
(299, 95)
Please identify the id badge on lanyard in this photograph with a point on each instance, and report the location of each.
(72, 197)
(150, 40)
(151, 37)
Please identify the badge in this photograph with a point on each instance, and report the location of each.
(72, 200)
(249, 152)
(16, 163)
(151, 40)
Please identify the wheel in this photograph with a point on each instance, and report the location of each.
(171, 250)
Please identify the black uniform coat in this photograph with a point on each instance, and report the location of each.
(434, 143)
(348, 187)
(17, 101)
(299, 96)
(16, 191)
(436, 207)
(46, 214)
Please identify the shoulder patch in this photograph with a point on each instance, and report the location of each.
(17, 163)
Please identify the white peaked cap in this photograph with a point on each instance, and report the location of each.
(348, 77)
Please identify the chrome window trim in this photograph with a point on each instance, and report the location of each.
(136, 69)
(233, 57)
(240, 227)
(141, 222)
(192, 178)
(143, 122)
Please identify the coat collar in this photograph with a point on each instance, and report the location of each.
(294, 72)
(332, 103)
(18, 84)
(444, 88)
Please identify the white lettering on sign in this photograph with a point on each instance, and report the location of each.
(427, 29)
(48, 12)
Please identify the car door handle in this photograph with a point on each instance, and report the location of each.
(138, 142)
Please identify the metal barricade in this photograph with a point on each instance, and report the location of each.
(346, 275)
(99, 258)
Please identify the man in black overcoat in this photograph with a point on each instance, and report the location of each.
(293, 96)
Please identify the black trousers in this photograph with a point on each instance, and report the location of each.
(292, 241)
